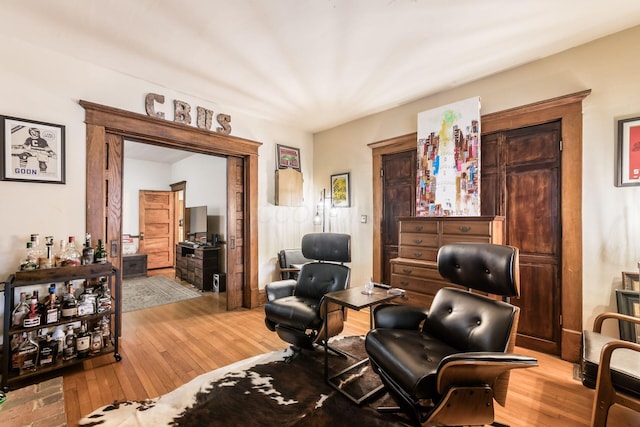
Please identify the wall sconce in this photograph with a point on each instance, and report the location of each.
(320, 218)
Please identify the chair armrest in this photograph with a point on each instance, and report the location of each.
(600, 318)
(478, 368)
(394, 316)
(280, 289)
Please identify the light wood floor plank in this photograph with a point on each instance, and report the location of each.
(166, 346)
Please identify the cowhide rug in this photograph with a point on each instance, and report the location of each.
(262, 391)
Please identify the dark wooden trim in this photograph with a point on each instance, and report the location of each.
(568, 109)
(107, 124)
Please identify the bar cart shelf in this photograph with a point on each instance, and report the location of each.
(58, 275)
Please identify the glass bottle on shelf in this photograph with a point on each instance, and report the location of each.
(72, 255)
(32, 318)
(58, 255)
(21, 310)
(69, 307)
(59, 337)
(48, 351)
(105, 327)
(35, 242)
(51, 310)
(46, 260)
(69, 350)
(27, 353)
(87, 251)
(83, 341)
(100, 255)
(87, 301)
(30, 261)
(96, 341)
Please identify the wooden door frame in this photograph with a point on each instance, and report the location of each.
(568, 109)
(107, 126)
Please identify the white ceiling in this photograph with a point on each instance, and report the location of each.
(312, 64)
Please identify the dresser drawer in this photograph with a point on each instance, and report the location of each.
(416, 284)
(417, 226)
(457, 238)
(413, 271)
(419, 239)
(417, 252)
(467, 228)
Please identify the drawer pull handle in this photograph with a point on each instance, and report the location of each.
(419, 228)
(464, 228)
(407, 270)
(417, 254)
(403, 283)
(417, 241)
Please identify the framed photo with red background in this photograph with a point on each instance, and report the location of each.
(628, 167)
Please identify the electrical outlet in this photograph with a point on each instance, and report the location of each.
(363, 219)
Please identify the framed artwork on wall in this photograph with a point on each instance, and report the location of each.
(628, 160)
(630, 281)
(628, 303)
(340, 192)
(288, 157)
(32, 151)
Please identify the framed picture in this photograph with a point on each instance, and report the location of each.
(32, 151)
(628, 303)
(630, 281)
(340, 197)
(628, 167)
(288, 157)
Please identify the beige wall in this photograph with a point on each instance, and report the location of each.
(611, 215)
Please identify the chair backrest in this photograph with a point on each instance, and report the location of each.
(328, 272)
(468, 321)
(287, 259)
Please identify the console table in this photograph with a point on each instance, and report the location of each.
(197, 264)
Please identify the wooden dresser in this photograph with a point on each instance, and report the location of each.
(197, 264)
(415, 270)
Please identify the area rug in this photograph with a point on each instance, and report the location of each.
(145, 292)
(262, 391)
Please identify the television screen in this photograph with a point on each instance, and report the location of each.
(198, 220)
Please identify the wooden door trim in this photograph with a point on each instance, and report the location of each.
(568, 109)
(106, 124)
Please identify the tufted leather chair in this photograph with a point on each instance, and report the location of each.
(294, 308)
(446, 365)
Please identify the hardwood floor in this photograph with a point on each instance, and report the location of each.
(164, 347)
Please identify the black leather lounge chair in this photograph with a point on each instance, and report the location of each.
(294, 307)
(446, 365)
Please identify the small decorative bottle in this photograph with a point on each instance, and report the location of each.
(30, 261)
(51, 311)
(32, 318)
(96, 342)
(69, 303)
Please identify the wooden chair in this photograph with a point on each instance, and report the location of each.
(612, 367)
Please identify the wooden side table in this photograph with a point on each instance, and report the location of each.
(355, 299)
(134, 265)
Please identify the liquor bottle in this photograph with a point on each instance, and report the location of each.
(30, 261)
(83, 341)
(69, 307)
(35, 242)
(48, 351)
(96, 342)
(105, 327)
(87, 251)
(100, 255)
(69, 350)
(28, 353)
(20, 311)
(51, 310)
(47, 260)
(104, 298)
(72, 255)
(59, 337)
(87, 301)
(58, 255)
(32, 318)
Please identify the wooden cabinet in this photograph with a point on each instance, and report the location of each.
(197, 264)
(105, 316)
(419, 240)
(288, 187)
(134, 265)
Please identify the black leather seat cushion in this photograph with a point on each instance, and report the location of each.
(410, 357)
(625, 364)
(294, 311)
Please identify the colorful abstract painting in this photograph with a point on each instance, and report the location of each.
(448, 178)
